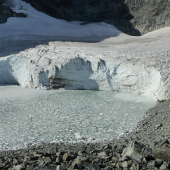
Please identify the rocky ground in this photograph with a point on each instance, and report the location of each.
(147, 147)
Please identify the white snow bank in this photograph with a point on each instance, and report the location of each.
(38, 23)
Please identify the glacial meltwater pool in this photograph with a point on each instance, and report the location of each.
(32, 116)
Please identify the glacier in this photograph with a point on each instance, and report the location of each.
(95, 56)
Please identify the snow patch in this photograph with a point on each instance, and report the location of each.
(38, 23)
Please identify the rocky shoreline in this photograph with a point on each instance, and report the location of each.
(147, 147)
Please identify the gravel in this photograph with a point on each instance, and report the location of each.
(147, 147)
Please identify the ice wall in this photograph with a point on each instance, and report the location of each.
(79, 73)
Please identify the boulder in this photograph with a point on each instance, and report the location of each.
(59, 167)
(162, 152)
(165, 166)
(133, 150)
(69, 156)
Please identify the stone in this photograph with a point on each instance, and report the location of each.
(59, 167)
(69, 156)
(80, 153)
(134, 166)
(58, 160)
(151, 164)
(58, 154)
(42, 161)
(15, 161)
(18, 167)
(147, 152)
(30, 163)
(165, 166)
(66, 164)
(159, 162)
(30, 167)
(133, 150)
(106, 147)
(122, 159)
(130, 162)
(46, 150)
(124, 164)
(89, 148)
(107, 168)
(162, 142)
(102, 154)
(36, 156)
(162, 152)
(159, 125)
(52, 167)
(115, 159)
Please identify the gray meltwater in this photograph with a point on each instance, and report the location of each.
(33, 116)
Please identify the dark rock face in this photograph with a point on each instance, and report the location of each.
(114, 12)
(133, 17)
(149, 15)
(6, 12)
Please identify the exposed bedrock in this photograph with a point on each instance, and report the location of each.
(133, 17)
(6, 12)
(79, 73)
